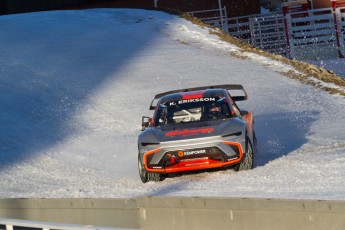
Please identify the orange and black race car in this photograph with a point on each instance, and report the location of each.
(196, 129)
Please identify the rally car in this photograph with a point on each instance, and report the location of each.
(196, 129)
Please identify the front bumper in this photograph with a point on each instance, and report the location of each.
(183, 156)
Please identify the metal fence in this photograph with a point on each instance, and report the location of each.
(311, 34)
(268, 33)
(302, 35)
(240, 27)
(214, 17)
(340, 17)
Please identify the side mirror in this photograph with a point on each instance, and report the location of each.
(145, 122)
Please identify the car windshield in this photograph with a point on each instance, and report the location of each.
(192, 110)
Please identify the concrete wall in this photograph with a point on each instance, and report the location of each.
(100, 212)
(182, 213)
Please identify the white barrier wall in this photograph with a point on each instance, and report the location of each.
(182, 213)
(12, 224)
(97, 212)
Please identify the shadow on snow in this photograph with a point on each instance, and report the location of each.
(279, 134)
(50, 62)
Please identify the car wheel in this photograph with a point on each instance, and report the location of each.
(255, 146)
(247, 163)
(142, 172)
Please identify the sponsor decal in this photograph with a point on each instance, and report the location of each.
(189, 132)
(180, 154)
(193, 100)
(195, 152)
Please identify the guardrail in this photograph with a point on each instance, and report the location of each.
(182, 213)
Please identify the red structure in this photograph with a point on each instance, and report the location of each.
(335, 5)
(144, 4)
(234, 8)
(295, 6)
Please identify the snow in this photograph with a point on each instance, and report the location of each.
(336, 65)
(74, 85)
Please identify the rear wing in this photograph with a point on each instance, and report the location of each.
(243, 96)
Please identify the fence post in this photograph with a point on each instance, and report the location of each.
(336, 26)
(252, 31)
(287, 22)
(226, 28)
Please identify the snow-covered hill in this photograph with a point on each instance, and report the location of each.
(74, 85)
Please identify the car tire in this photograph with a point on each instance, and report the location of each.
(247, 162)
(142, 172)
(146, 176)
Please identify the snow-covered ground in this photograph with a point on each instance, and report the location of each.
(74, 85)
